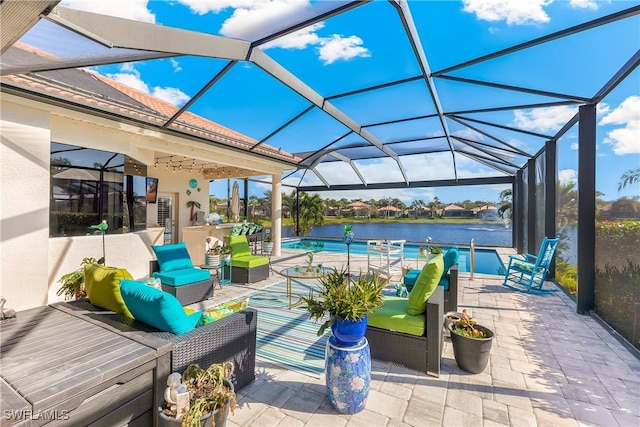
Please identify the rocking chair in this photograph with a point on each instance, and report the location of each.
(527, 274)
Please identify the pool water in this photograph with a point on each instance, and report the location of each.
(487, 260)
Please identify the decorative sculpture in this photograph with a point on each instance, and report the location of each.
(176, 395)
(6, 313)
(103, 226)
(347, 238)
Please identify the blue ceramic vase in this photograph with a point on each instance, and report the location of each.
(348, 375)
(349, 332)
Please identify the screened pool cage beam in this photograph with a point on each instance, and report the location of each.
(627, 13)
(511, 107)
(485, 162)
(404, 13)
(494, 157)
(201, 92)
(413, 184)
(505, 151)
(572, 98)
(305, 23)
(488, 135)
(375, 87)
(617, 78)
(509, 128)
(275, 132)
(350, 162)
(19, 17)
(320, 150)
(550, 167)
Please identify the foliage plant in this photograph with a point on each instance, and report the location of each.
(466, 327)
(342, 297)
(207, 391)
(73, 282)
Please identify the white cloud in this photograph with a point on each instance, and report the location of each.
(583, 4)
(253, 19)
(176, 65)
(299, 39)
(574, 146)
(469, 134)
(626, 139)
(513, 12)
(567, 175)
(130, 9)
(172, 95)
(549, 119)
(337, 48)
(129, 76)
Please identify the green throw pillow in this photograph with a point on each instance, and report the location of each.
(103, 287)
(425, 285)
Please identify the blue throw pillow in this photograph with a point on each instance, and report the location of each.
(451, 258)
(173, 257)
(157, 308)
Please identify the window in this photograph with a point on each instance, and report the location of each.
(89, 185)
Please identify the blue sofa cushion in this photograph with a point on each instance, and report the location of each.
(410, 278)
(157, 308)
(444, 282)
(182, 277)
(450, 258)
(172, 257)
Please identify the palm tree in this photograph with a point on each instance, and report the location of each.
(311, 212)
(629, 177)
(506, 202)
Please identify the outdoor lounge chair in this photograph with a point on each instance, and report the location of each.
(245, 267)
(527, 274)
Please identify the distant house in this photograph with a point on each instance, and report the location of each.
(359, 209)
(389, 212)
(455, 211)
(485, 212)
(331, 211)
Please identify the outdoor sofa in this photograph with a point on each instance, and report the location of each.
(231, 338)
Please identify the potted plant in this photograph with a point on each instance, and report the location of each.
(471, 343)
(267, 244)
(225, 252)
(347, 302)
(210, 393)
(73, 283)
(211, 252)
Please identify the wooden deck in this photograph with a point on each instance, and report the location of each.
(59, 369)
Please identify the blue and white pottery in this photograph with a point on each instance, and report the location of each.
(349, 332)
(348, 375)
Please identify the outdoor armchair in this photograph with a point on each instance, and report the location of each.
(527, 274)
(246, 267)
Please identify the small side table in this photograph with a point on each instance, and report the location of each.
(214, 270)
(224, 263)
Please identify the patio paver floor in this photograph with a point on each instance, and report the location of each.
(549, 366)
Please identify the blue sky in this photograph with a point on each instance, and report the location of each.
(366, 46)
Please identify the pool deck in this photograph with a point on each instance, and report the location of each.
(549, 367)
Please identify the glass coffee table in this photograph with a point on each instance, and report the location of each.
(301, 273)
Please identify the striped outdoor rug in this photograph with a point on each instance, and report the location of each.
(288, 337)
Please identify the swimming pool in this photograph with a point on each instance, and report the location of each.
(487, 260)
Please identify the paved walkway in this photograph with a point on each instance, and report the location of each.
(549, 367)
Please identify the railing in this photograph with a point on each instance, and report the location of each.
(472, 258)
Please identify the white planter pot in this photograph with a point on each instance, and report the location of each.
(267, 247)
(212, 260)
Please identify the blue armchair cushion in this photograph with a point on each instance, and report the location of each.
(410, 278)
(172, 257)
(157, 308)
(182, 277)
